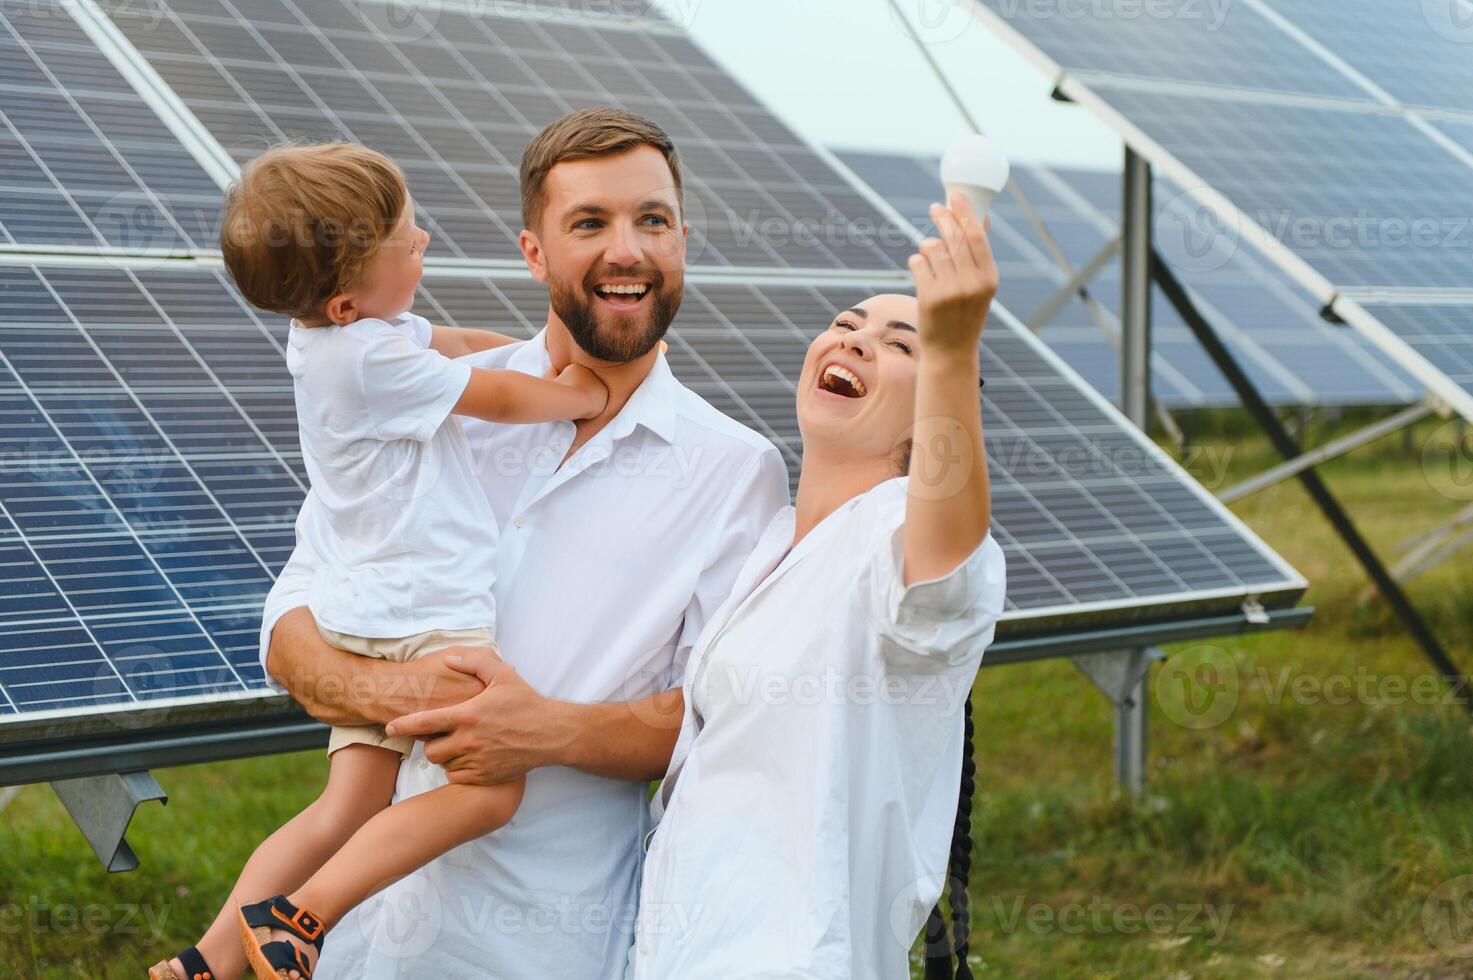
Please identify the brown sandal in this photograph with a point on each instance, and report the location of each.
(195, 968)
(273, 959)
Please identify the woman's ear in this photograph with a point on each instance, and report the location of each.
(340, 309)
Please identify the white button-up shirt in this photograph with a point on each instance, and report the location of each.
(607, 569)
(809, 806)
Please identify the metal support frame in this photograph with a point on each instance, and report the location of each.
(1131, 667)
(1287, 447)
(102, 807)
(1075, 285)
(1403, 419)
(1121, 677)
(1430, 549)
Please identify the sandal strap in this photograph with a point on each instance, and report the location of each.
(195, 967)
(278, 913)
(284, 956)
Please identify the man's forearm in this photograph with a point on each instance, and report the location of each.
(621, 740)
(341, 688)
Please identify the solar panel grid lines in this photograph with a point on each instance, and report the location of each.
(1292, 353)
(468, 103)
(1354, 197)
(85, 163)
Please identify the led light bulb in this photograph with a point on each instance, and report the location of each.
(977, 168)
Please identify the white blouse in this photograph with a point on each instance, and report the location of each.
(808, 809)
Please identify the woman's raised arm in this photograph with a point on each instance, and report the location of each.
(949, 507)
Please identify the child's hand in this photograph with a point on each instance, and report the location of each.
(580, 377)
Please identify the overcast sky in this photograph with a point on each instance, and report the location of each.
(844, 73)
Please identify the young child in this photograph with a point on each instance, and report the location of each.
(326, 234)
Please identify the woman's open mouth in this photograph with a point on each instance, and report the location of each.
(622, 296)
(841, 381)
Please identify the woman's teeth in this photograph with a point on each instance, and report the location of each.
(842, 381)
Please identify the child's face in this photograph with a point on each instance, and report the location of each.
(387, 285)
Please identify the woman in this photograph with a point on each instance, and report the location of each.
(808, 808)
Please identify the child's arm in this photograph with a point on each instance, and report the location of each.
(459, 341)
(511, 396)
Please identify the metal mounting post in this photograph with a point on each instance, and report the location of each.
(102, 807)
(1122, 677)
(1288, 448)
(1135, 402)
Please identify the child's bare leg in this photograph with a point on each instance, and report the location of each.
(360, 783)
(400, 840)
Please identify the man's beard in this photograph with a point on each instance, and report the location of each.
(626, 338)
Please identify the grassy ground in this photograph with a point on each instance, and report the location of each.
(1318, 827)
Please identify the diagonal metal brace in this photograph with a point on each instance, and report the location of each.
(102, 807)
(1289, 449)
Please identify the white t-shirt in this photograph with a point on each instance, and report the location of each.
(406, 538)
(809, 804)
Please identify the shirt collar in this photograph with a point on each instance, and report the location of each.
(653, 404)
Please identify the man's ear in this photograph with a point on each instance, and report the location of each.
(532, 254)
(340, 309)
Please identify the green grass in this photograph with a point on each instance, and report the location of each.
(1299, 837)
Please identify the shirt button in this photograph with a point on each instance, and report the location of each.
(521, 522)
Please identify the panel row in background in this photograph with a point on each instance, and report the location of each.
(1307, 117)
(454, 107)
(1272, 325)
(152, 473)
(83, 160)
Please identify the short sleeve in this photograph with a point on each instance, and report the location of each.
(408, 389)
(944, 622)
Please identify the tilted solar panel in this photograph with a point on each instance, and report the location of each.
(456, 106)
(153, 474)
(1359, 189)
(1272, 325)
(83, 161)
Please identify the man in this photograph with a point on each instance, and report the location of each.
(620, 535)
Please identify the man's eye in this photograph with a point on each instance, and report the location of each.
(587, 224)
(658, 219)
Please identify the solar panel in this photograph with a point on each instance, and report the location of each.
(456, 106)
(1441, 333)
(83, 161)
(153, 471)
(1417, 52)
(154, 475)
(1293, 355)
(1362, 195)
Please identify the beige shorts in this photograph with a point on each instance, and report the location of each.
(399, 649)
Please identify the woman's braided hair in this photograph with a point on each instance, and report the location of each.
(940, 947)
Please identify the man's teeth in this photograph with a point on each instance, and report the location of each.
(633, 290)
(833, 371)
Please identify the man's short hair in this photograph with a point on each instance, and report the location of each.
(304, 219)
(593, 132)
